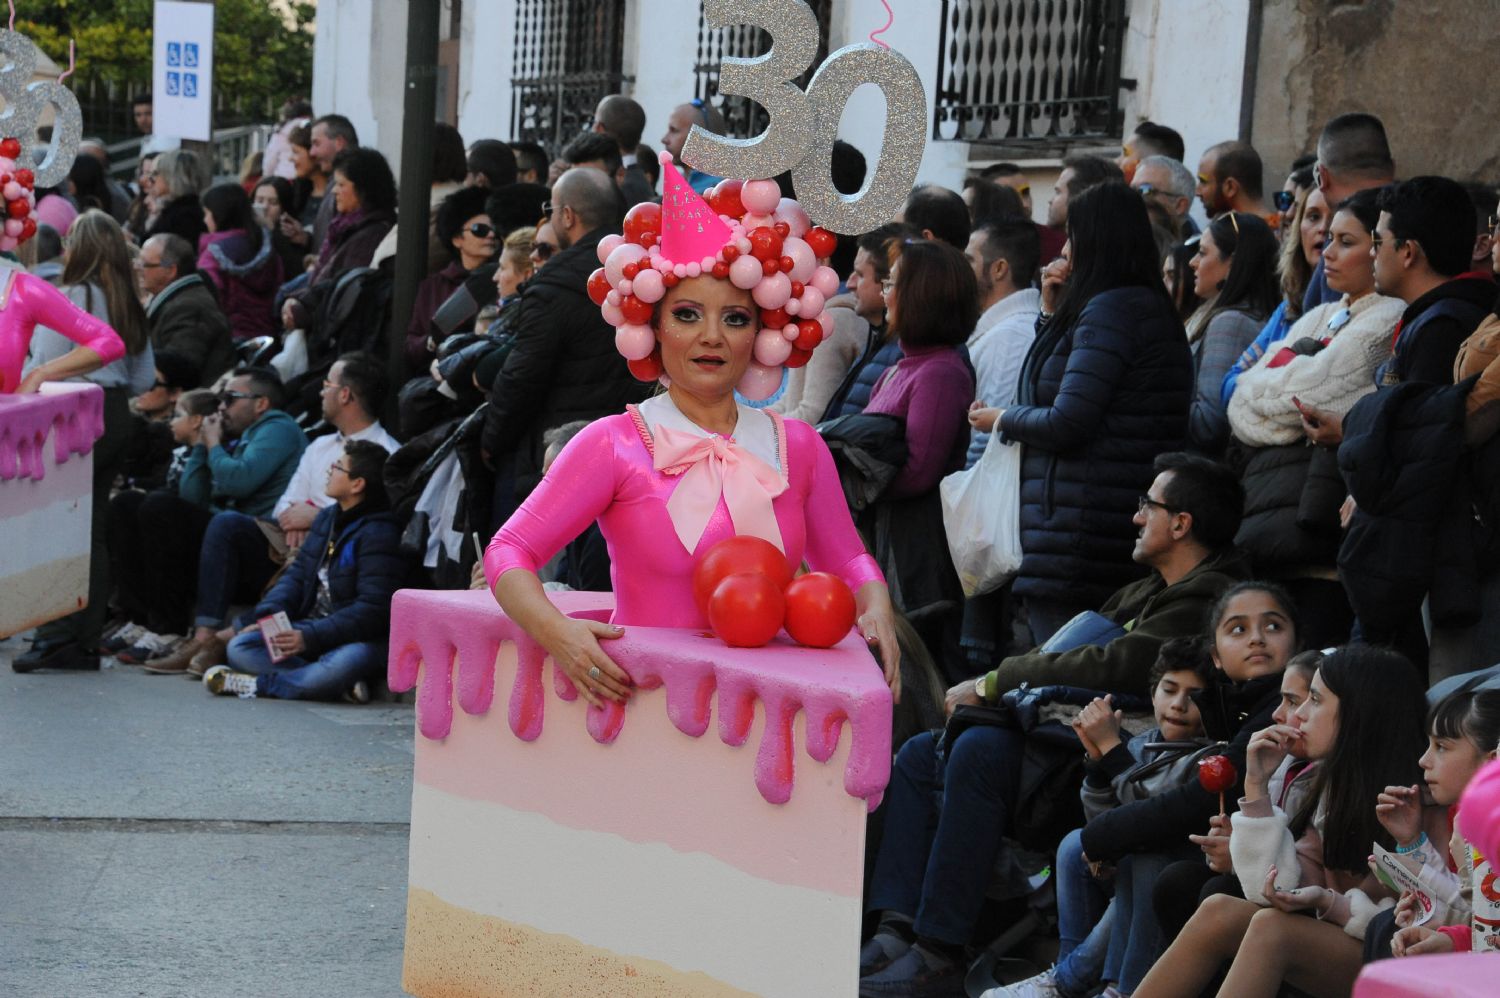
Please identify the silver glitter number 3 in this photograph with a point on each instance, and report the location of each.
(24, 104)
(803, 127)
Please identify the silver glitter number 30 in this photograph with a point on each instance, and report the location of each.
(24, 103)
(803, 127)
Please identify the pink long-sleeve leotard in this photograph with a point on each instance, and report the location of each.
(606, 473)
(28, 302)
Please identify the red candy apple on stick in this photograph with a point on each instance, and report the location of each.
(1217, 774)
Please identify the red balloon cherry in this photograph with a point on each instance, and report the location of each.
(647, 370)
(670, 279)
(728, 199)
(598, 286)
(731, 253)
(797, 288)
(822, 241)
(769, 267)
(746, 610)
(18, 208)
(636, 311)
(721, 269)
(630, 270)
(25, 178)
(1217, 774)
(774, 318)
(765, 244)
(28, 229)
(799, 357)
(642, 219)
(809, 334)
(736, 556)
(10, 148)
(783, 230)
(819, 609)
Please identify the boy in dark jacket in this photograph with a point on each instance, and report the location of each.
(337, 595)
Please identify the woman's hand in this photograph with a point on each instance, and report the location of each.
(288, 316)
(1215, 844)
(1417, 940)
(1406, 910)
(877, 623)
(1346, 512)
(1399, 810)
(31, 382)
(1268, 747)
(1315, 899)
(1098, 726)
(574, 647)
(1324, 428)
(983, 417)
(1054, 280)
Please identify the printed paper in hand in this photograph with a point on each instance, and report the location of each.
(271, 626)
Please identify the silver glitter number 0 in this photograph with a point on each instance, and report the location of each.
(803, 127)
(24, 103)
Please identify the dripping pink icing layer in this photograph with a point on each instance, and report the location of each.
(73, 414)
(829, 686)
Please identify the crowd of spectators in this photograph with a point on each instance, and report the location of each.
(1268, 430)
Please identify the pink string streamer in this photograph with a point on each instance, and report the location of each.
(12, 14)
(890, 19)
(72, 62)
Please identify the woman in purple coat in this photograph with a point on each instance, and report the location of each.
(236, 254)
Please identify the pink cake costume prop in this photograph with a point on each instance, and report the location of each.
(47, 431)
(569, 841)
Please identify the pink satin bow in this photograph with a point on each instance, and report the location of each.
(711, 467)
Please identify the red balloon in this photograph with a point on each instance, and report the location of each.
(809, 334)
(735, 556)
(647, 370)
(746, 610)
(799, 357)
(783, 230)
(721, 269)
(18, 208)
(598, 286)
(25, 177)
(1216, 774)
(648, 240)
(727, 199)
(769, 267)
(10, 148)
(765, 244)
(28, 228)
(787, 263)
(630, 270)
(643, 218)
(822, 241)
(731, 253)
(797, 287)
(637, 311)
(819, 609)
(670, 279)
(774, 318)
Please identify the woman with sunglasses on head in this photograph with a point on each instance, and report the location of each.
(1234, 273)
(466, 230)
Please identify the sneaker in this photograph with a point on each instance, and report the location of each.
(224, 681)
(917, 974)
(358, 693)
(883, 949)
(1043, 985)
(147, 647)
(121, 638)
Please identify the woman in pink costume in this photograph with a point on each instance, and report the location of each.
(27, 302)
(671, 478)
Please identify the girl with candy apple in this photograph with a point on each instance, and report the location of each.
(710, 297)
(1362, 723)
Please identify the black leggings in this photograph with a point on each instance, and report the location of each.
(1183, 886)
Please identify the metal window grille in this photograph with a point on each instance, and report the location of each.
(743, 117)
(569, 55)
(1019, 71)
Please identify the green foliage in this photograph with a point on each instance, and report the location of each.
(262, 51)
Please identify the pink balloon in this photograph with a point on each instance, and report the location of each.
(812, 302)
(621, 255)
(772, 292)
(790, 332)
(825, 319)
(826, 281)
(607, 246)
(760, 197)
(13, 227)
(771, 348)
(804, 261)
(793, 307)
(791, 213)
(649, 287)
(753, 221)
(612, 313)
(759, 381)
(11, 242)
(635, 342)
(625, 287)
(13, 190)
(745, 272)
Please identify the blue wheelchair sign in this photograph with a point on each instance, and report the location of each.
(190, 54)
(174, 84)
(174, 53)
(190, 84)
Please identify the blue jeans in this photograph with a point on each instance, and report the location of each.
(325, 678)
(234, 563)
(1084, 919)
(1136, 942)
(943, 826)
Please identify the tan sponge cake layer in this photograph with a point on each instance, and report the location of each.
(454, 953)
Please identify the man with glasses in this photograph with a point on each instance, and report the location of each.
(1169, 185)
(184, 316)
(247, 454)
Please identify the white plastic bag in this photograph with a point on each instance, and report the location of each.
(292, 360)
(982, 517)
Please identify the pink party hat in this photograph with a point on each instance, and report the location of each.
(690, 230)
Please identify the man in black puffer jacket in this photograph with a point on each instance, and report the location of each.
(563, 364)
(1099, 401)
(336, 594)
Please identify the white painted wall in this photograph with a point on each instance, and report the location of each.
(359, 68)
(486, 64)
(661, 43)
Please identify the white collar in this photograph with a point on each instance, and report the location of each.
(1022, 300)
(754, 431)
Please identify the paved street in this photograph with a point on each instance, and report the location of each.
(155, 840)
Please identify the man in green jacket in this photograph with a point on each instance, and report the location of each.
(930, 885)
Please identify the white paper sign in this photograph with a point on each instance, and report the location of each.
(182, 58)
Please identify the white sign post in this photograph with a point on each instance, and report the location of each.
(182, 74)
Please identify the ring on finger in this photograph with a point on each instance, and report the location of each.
(594, 673)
